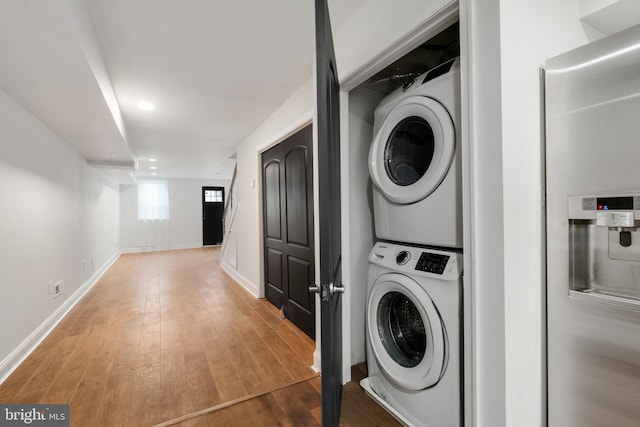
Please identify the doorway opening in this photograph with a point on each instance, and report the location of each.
(441, 45)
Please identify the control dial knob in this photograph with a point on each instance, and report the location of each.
(403, 257)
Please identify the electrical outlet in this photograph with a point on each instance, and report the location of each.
(55, 288)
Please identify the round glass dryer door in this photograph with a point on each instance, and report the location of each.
(413, 150)
(406, 333)
(409, 151)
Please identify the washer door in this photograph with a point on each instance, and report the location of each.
(406, 332)
(413, 150)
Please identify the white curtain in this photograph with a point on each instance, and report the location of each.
(153, 200)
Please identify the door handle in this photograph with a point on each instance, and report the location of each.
(336, 289)
(326, 291)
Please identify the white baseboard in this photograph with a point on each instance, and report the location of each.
(143, 249)
(317, 361)
(189, 246)
(242, 281)
(17, 356)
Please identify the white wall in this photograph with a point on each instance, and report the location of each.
(484, 342)
(58, 221)
(377, 25)
(360, 231)
(604, 17)
(184, 227)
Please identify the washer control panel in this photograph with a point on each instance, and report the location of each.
(427, 262)
(432, 263)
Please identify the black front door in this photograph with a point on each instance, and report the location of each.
(330, 287)
(289, 258)
(212, 212)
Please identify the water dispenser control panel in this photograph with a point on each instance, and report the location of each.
(604, 245)
(623, 208)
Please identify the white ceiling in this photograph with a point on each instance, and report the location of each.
(213, 69)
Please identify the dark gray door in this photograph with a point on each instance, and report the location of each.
(330, 288)
(212, 213)
(289, 259)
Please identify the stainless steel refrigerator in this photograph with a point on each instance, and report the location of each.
(592, 119)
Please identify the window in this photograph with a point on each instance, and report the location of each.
(211, 196)
(153, 200)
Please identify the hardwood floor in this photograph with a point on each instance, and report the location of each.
(295, 405)
(167, 334)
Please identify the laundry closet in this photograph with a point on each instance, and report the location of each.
(362, 102)
(399, 220)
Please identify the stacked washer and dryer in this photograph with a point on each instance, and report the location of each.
(414, 304)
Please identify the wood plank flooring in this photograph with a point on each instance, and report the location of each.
(297, 405)
(167, 334)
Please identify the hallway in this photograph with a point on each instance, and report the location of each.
(167, 334)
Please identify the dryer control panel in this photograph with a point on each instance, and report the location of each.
(417, 261)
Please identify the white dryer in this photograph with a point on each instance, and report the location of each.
(415, 161)
(414, 334)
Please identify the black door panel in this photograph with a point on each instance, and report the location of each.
(287, 172)
(212, 213)
(329, 220)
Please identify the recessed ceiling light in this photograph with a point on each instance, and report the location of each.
(153, 173)
(153, 167)
(152, 160)
(146, 106)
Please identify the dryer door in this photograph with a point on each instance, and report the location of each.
(413, 150)
(406, 332)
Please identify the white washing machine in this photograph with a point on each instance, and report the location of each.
(414, 334)
(415, 161)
